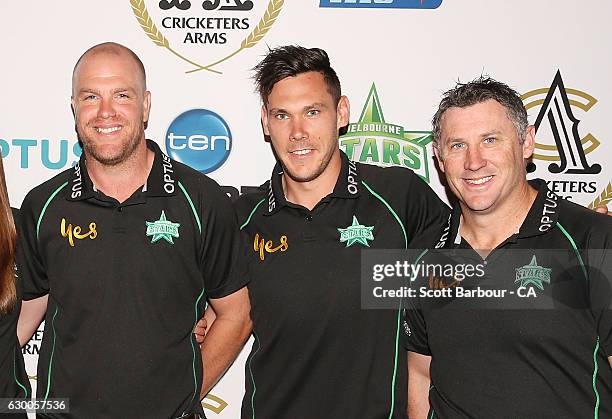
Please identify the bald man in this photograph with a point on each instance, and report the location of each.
(129, 245)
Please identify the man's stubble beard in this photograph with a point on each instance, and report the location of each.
(318, 171)
(126, 151)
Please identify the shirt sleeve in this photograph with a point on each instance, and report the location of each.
(599, 271)
(427, 214)
(30, 266)
(222, 263)
(414, 329)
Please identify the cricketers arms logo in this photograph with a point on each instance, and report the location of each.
(356, 233)
(563, 153)
(162, 229)
(532, 274)
(205, 34)
(374, 141)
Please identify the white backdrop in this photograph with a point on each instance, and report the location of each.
(411, 56)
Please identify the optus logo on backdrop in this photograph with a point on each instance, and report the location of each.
(373, 140)
(205, 34)
(381, 4)
(199, 138)
(565, 156)
(51, 154)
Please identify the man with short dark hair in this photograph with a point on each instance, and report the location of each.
(542, 349)
(129, 245)
(317, 353)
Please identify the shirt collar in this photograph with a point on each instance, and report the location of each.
(161, 180)
(348, 184)
(541, 217)
(544, 211)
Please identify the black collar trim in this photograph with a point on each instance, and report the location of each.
(161, 180)
(542, 216)
(348, 185)
(544, 212)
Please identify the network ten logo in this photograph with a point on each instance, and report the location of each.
(199, 138)
(382, 4)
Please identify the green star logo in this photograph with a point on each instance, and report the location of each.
(356, 233)
(532, 274)
(162, 229)
(372, 140)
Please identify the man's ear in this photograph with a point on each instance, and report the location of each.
(264, 120)
(343, 111)
(438, 153)
(146, 106)
(529, 143)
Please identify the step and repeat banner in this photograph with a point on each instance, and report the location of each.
(394, 59)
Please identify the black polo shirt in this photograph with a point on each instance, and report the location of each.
(540, 350)
(14, 381)
(127, 282)
(316, 353)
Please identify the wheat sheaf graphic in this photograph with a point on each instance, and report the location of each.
(148, 26)
(604, 199)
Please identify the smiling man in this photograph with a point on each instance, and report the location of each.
(317, 354)
(543, 356)
(129, 245)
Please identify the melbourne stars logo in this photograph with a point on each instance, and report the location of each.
(356, 233)
(562, 155)
(162, 229)
(532, 274)
(205, 34)
(374, 141)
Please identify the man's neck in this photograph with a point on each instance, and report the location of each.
(309, 194)
(485, 231)
(120, 181)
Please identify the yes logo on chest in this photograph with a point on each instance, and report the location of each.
(76, 232)
(356, 233)
(261, 246)
(162, 229)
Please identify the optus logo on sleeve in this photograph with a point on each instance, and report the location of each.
(199, 138)
(382, 4)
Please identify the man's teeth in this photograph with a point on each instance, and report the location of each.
(301, 152)
(108, 130)
(479, 181)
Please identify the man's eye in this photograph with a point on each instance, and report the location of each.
(490, 140)
(457, 146)
(90, 97)
(313, 112)
(281, 116)
(123, 96)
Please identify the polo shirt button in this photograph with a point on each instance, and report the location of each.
(309, 217)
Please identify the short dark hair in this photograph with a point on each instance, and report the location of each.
(292, 60)
(477, 91)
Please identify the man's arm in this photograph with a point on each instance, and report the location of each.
(226, 336)
(418, 385)
(32, 313)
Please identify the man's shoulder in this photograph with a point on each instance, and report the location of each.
(585, 226)
(42, 193)
(250, 202)
(194, 181)
(398, 185)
